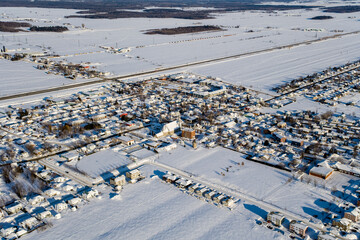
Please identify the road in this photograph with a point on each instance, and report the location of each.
(161, 70)
(63, 171)
(238, 194)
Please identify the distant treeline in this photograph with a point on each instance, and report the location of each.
(181, 30)
(343, 9)
(13, 26)
(49, 29)
(148, 13)
(116, 9)
(321, 17)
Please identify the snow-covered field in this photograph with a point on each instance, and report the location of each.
(154, 210)
(245, 32)
(18, 77)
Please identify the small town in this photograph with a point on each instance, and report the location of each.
(43, 146)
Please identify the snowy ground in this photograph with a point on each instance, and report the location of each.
(244, 33)
(18, 77)
(154, 210)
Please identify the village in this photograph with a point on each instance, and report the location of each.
(55, 141)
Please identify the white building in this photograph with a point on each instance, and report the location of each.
(276, 218)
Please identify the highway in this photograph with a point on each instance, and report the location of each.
(161, 70)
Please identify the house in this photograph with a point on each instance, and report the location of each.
(44, 214)
(97, 117)
(51, 192)
(29, 223)
(201, 190)
(353, 214)
(218, 197)
(342, 223)
(118, 181)
(88, 194)
(68, 188)
(60, 207)
(36, 200)
(170, 178)
(20, 232)
(70, 156)
(298, 227)
(13, 207)
(276, 218)
(188, 133)
(126, 140)
(297, 143)
(151, 145)
(193, 187)
(133, 174)
(321, 172)
(182, 183)
(209, 194)
(270, 130)
(74, 201)
(228, 202)
(7, 231)
(278, 137)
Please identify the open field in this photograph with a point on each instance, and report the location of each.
(148, 52)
